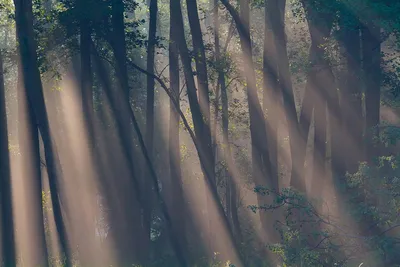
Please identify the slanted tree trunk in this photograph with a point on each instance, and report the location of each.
(203, 98)
(262, 171)
(207, 164)
(8, 257)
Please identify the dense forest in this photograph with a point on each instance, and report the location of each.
(199, 133)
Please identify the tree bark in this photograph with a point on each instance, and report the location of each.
(7, 223)
(371, 53)
(349, 36)
(28, 139)
(34, 92)
(178, 205)
(198, 120)
(147, 210)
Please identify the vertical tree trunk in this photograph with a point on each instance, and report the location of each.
(147, 209)
(34, 92)
(178, 204)
(231, 176)
(272, 109)
(371, 53)
(349, 36)
(319, 82)
(86, 68)
(28, 139)
(271, 94)
(6, 208)
(118, 45)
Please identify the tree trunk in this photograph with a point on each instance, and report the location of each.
(262, 173)
(231, 175)
(371, 53)
(318, 81)
(118, 44)
(178, 204)
(8, 256)
(271, 95)
(349, 36)
(147, 209)
(200, 126)
(203, 98)
(34, 92)
(28, 139)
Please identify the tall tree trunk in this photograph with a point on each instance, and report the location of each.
(203, 98)
(349, 36)
(127, 232)
(231, 176)
(86, 68)
(371, 52)
(147, 209)
(28, 139)
(319, 81)
(34, 92)
(262, 173)
(118, 45)
(178, 204)
(201, 70)
(271, 94)
(6, 208)
(200, 126)
(272, 108)
(125, 108)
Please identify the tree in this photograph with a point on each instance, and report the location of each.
(34, 92)
(7, 224)
(147, 211)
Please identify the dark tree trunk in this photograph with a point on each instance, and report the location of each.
(231, 175)
(34, 92)
(201, 70)
(271, 95)
(147, 210)
(262, 173)
(8, 257)
(125, 108)
(371, 53)
(272, 99)
(318, 81)
(203, 98)
(118, 44)
(178, 204)
(86, 69)
(349, 36)
(200, 126)
(126, 227)
(28, 139)
(121, 111)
